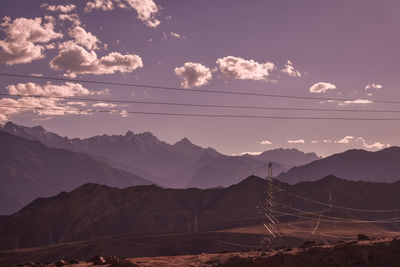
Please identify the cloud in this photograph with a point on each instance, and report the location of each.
(75, 59)
(239, 68)
(84, 38)
(65, 90)
(314, 142)
(44, 106)
(291, 70)
(322, 87)
(104, 105)
(247, 153)
(176, 35)
(376, 145)
(99, 4)
(22, 37)
(266, 142)
(373, 86)
(298, 141)
(193, 74)
(39, 106)
(358, 101)
(146, 9)
(346, 139)
(59, 8)
(71, 17)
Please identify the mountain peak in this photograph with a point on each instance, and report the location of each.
(184, 141)
(129, 133)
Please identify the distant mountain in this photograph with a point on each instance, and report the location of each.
(178, 165)
(290, 157)
(92, 211)
(212, 171)
(29, 169)
(379, 166)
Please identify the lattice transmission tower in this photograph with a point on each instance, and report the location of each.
(270, 222)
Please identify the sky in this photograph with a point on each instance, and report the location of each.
(313, 48)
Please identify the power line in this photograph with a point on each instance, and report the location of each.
(203, 115)
(189, 89)
(190, 104)
(335, 206)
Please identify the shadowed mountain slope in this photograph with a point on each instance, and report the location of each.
(379, 166)
(29, 169)
(93, 211)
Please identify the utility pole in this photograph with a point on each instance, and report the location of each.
(195, 223)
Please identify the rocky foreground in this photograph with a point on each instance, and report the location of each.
(361, 252)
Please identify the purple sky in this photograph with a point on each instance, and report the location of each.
(346, 45)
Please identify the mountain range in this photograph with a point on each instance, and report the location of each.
(29, 169)
(355, 164)
(179, 165)
(94, 211)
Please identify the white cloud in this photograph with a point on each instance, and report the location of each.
(298, 141)
(70, 17)
(239, 68)
(146, 9)
(291, 70)
(104, 105)
(346, 139)
(314, 142)
(75, 59)
(373, 86)
(44, 106)
(358, 101)
(327, 141)
(322, 87)
(266, 142)
(176, 35)
(64, 90)
(22, 38)
(247, 153)
(193, 74)
(59, 8)
(376, 145)
(84, 38)
(77, 103)
(99, 4)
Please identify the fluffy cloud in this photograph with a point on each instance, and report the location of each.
(346, 139)
(84, 38)
(239, 68)
(193, 74)
(22, 38)
(376, 145)
(59, 8)
(70, 17)
(266, 142)
(373, 86)
(291, 70)
(298, 141)
(322, 87)
(64, 90)
(44, 106)
(146, 9)
(75, 59)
